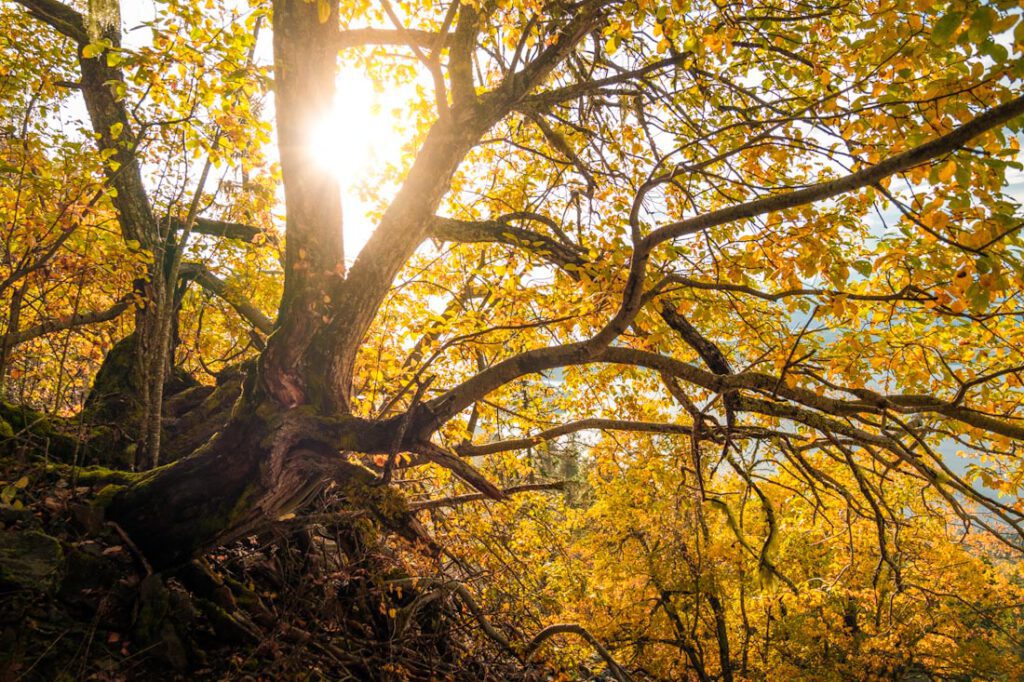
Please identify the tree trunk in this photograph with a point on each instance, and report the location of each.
(139, 225)
(275, 452)
(151, 360)
(13, 323)
(138, 373)
(264, 463)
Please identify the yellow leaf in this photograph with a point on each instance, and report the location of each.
(92, 50)
(946, 172)
(323, 10)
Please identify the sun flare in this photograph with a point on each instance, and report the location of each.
(353, 143)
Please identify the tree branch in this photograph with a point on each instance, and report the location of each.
(219, 228)
(59, 16)
(449, 404)
(456, 500)
(908, 293)
(459, 467)
(77, 320)
(407, 220)
(944, 144)
(576, 629)
(362, 37)
(201, 275)
(497, 231)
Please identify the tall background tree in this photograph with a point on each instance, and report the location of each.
(771, 246)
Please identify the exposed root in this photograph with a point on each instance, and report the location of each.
(331, 598)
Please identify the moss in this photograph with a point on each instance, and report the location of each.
(348, 441)
(98, 475)
(364, 490)
(154, 603)
(265, 411)
(115, 390)
(20, 417)
(60, 439)
(199, 423)
(115, 481)
(243, 504)
(30, 559)
(242, 594)
(365, 532)
(106, 495)
(226, 626)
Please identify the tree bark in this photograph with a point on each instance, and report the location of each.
(264, 463)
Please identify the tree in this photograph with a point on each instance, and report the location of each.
(659, 210)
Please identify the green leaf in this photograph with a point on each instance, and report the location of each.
(963, 174)
(945, 27)
(978, 298)
(92, 50)
(981, 24)
(997, 52)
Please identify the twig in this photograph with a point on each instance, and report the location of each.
(132, 546)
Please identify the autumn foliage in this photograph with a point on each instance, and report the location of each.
(686, 344)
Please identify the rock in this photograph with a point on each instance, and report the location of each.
(30, 560)
(161, 610)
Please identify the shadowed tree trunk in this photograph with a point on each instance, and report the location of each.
(131, 384)
(143, 363)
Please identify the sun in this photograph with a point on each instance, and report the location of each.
(352, 142)
(344, 141)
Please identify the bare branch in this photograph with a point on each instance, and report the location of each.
(576, 629)
(991, 118)
(201, 275)
(69, 322)
(475, 497)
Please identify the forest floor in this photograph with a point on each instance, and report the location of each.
(79, 602)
